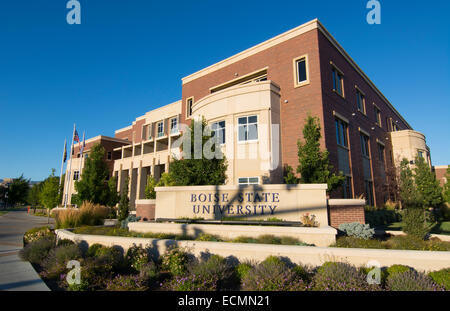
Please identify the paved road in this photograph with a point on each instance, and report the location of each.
(16, 274)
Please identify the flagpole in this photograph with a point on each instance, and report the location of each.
(70, 168)
(62, 164)
(81, 157)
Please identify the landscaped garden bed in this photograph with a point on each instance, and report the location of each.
(109, 268)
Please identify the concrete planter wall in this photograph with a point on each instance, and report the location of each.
(323, 236)
(420, 260)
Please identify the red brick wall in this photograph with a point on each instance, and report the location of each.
(440, 174)
(145, 211)
(345, 214)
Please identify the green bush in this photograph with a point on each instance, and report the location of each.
(441, 277)
(129, 218)
(353, 242)
(208, 237)
(244, 239)
(338, 276)
(111, 256)
(411, 281)
(243, 269)
(272, 275)
(190, 282)
(394, 269)
(95, 272)
(64, 242)
(302, 272)
(93, 249)
(175, 261)
(55, 263)
(136, 257)
(126, 283)
(216, 272)
(415, 243)
(357, 230)
(38, 233)
(35, 252)
(149, 274)
(414, 223)
(381, 217)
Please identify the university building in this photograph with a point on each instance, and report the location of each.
(256, 103)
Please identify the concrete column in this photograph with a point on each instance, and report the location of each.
(139, 177)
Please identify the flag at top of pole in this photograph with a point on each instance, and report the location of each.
(76, 138)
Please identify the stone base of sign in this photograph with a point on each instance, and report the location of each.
(323, 236)
(145, 209)
(308, 255)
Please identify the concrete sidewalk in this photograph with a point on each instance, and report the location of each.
(16, 274)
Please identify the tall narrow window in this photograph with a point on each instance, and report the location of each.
(341, 132)
(76, 175)
(343, 157)
(248, 128)
(109, 155)
(189, 103)
(338, 82)
(218, 130)
(360, 101)
(377, 116)
(365, 145)
(174, 125)
(160, 129)
(301, 70)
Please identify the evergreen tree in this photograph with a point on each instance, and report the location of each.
(18, 190)
(190, 171)
(289, 176)
(446, 191)
(50, 191)
(314, 166)
(427, 185)
(93, 186)
(150, 192)
(124, 203)
(409, 195)
(114, 196)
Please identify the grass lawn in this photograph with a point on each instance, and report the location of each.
(440, 228)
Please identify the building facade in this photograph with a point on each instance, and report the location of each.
(256, 103)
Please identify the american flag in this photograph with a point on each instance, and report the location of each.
(76, 138)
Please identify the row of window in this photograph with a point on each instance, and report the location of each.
(247, 129)
(146, 129)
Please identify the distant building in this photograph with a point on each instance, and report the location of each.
(440, 172)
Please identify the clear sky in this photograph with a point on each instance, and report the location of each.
(128, 57)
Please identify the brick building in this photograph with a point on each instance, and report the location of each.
(256, 103)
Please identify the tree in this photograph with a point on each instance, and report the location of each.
(150, 192)
(409, 195)
(190, 171)
(124, 203)
(93, 186)
(446, 191)
(18, 190)
(314, 166)
(427, 185)
(34, 195)
(114, 197)
(50, 191)
(289, 175)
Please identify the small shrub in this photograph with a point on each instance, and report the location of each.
(64, 242)
(126, 283)
(272, 275)
(244, 268)
(189, 283)
(412, 242)
(149, 273)
(38, 233)
(353, 242)
(208, 237)
(268, 239)
(411, 281)
(175, 261)
(302, 272)
(414, 223)
(394, 269)
(55, 263)
(129, 218)
(338, 276)
(95, 272)
(111, 256)
(136, 257)
(92, 250)
(358, 230)
(441, 277)
(88, 214)
(244, 239)
(35, 252)
(216, 272)
(309, 221)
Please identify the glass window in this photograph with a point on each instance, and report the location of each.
(420, 154)
(368, 189)
(76, 175)
(248, 128)
(109, 155)
(160, 129)
(360, 104)
(189, 106)
(337, 81)
(365, 145)
(341, 133)
(381, 152)
(301, 70)
(378, 116)
(347, 188)
(174, 125)
(248, 180)
(218, 130)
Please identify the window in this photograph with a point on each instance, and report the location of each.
(248, 180)
(420, 154)
(347, 188)
(248, 128)
(365, 145)
(109, 155)
(341, 133)
(377, 116)
(160, 129)
(338, 82)
(301, 70)
(189, 104)
(174, 125)
(381, 152)
(76, 175)
(218, 130)
(360, 101)
(144, 132)
(368, 189)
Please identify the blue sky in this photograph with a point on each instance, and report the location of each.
(128, 57)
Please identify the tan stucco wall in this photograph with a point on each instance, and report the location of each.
(287, 202)
(406, 144)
